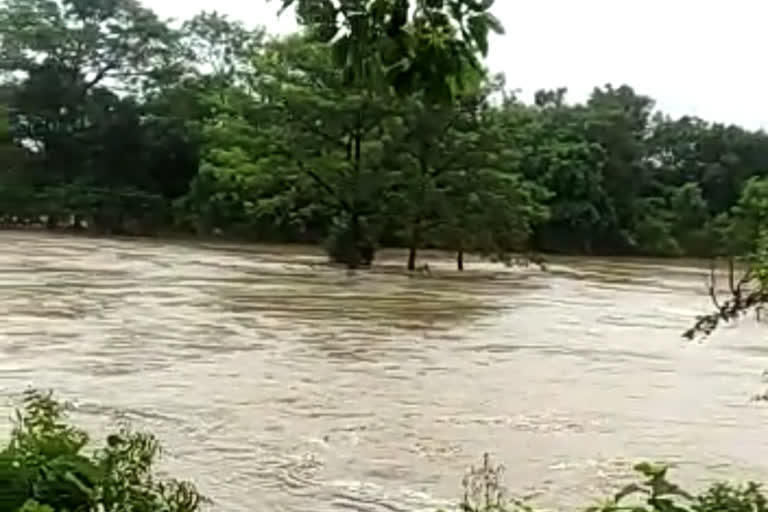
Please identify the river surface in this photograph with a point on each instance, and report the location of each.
(279, 383)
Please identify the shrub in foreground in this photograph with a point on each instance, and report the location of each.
(483, 492)
(48, 466)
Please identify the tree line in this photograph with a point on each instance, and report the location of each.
(376, 124)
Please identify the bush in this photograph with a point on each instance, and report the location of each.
(349, 243)
(484, 492)
(44, 468)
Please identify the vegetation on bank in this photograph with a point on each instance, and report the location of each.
(376, 124)
(653, 492)
(49, 465)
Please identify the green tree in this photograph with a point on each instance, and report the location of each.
(247, 185)
(556, 154)
(619, 121)
(330, 131)
(462, 187)
(220, 49)
(429, 140)
(65, 57)
(691, 226)
(379, 46)
(89, 83)
(413, 45)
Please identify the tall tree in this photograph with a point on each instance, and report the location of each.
(383, 45)
(554, 152)
(619, 121)
(69, 59)
(459, 185)
(331, 131)
(415, 45)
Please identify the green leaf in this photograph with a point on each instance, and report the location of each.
(494, 23)
(478, 29)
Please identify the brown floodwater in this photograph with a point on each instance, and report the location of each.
(279, 383)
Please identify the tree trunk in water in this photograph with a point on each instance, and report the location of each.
(412, 258)
(354, 256)
(413, 246)
(460, 260)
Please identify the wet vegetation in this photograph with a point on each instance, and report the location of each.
(377, 124)
(652, 492)
(49, 465)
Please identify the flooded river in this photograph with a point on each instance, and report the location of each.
(278, 383)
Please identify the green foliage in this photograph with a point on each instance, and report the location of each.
(658, 494)
(655, 492)
(749, 218)
(45, 468)
(412, 45)
(457, 185)
(376, 125)
(746, 498)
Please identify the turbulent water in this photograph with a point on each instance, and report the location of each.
(279, 383)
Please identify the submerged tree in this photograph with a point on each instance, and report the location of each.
(323, 129)
(377, 48)
(458, 185)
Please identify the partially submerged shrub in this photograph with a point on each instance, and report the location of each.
(484, 490)
(44, 468)
(348, 243)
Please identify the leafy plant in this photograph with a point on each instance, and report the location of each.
(484, 492)
(45, 467)
(656, 493)
(727, 498)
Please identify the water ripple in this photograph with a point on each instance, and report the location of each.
(280, 382)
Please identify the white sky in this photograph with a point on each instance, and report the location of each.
(698, 57)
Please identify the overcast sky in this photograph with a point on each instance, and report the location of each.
(698, 57)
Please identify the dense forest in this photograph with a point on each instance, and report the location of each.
(368, 128)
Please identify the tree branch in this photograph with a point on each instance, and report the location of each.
(325, 186)
(741, 302)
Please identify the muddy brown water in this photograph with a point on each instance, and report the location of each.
(279, 383)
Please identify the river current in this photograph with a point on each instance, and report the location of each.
(279, 383)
